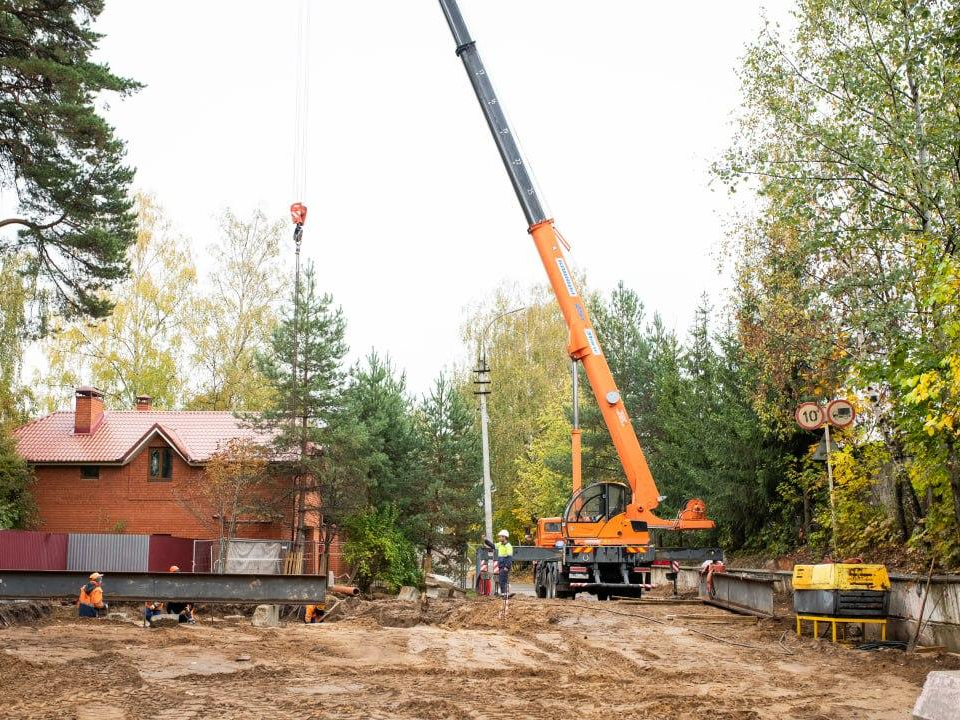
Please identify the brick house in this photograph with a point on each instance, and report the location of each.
(103, 471)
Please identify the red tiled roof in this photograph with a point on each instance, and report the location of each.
(195, 434)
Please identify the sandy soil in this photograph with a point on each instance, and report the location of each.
(547, 659)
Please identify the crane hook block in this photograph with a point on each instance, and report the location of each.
(298, 213)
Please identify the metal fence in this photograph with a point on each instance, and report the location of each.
(266, 557)
(108, 553)
(113, 552)
(25, 550)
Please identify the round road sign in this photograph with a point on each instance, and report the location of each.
(840, 413)
(810, 415)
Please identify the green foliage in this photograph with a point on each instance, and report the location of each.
(846, 272)
(447, 486)
(378, 551)
(377, 395)
(694, 418)
(139, 348)
(234, 319)
(529, 371)
(59, 158)
(315, 428)
(544, 469)
(15, 398)
(17, 507)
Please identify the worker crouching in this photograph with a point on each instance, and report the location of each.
(183, 610)
(90, 602)
(314, 613)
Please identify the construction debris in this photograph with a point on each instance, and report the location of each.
(164, 620)
(408, 593)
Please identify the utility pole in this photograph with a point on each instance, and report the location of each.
(483, 389)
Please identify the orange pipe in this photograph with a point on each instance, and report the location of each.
(345, 590)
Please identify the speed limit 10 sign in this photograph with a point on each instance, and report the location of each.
(810, 416)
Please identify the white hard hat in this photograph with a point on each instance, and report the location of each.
(503, 533)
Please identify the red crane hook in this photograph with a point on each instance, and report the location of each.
(298, 213)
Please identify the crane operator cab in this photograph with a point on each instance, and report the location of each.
(597, 512)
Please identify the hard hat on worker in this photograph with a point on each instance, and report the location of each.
(96, 576)
(174, 568)
(503, 533)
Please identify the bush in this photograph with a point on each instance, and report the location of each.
(377, 551)
(17, 507)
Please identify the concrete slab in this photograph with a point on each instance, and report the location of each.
(940, 698)
(266, 616)
(408, 593)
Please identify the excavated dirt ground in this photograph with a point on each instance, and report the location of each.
(454, 659)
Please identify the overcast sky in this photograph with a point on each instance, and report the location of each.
(621, 106)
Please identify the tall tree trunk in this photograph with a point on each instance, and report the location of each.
(953, 471)
(914, 500)
(901, 513)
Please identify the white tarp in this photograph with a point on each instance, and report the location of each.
(263, 557)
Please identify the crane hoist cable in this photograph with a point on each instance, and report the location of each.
(298, 211)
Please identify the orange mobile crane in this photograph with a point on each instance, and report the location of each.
(606, 546)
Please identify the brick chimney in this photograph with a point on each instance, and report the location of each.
(144, 403)
(89, 410)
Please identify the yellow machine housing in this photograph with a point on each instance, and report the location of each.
(841, 590)
(839, 576)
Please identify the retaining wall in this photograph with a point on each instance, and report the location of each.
(941, 614)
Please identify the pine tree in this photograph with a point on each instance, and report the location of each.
(57, 154)
(448, 486)
(378, 396)
(316, 431)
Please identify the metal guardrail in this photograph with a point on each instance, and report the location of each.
(192, 587)
(740, 593)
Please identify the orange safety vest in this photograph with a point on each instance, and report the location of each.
(313, 612)
(94, 597)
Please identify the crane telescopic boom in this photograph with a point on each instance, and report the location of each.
(583, 344)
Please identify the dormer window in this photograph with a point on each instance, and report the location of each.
(161, 464)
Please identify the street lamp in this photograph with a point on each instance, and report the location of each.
(483, 389)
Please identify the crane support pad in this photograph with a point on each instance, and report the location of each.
(194, 587)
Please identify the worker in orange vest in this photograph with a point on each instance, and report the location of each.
(314, 613)
(90, 603)
(183, 611)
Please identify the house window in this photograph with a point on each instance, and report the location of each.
(89, 472)
(161, 464)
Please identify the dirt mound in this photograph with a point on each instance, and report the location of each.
(22, 613)
(394, 613)
(521, 614)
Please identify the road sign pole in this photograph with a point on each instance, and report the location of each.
(833, 507)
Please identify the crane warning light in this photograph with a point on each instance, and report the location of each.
(298, 213)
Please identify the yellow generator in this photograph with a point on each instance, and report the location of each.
(841, 590)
